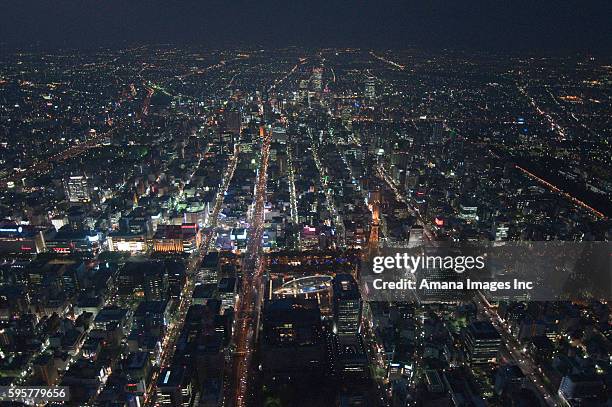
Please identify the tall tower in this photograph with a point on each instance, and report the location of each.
(347, 307)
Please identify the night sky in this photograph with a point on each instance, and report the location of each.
(488, 25)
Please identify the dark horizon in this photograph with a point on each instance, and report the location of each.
(550, 27)
(383, 203)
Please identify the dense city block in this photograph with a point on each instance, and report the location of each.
(183, 226)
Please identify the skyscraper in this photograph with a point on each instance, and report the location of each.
(291, 324)
(233, 119)
(316, 79)
(347, 306)
(78, 189)
(482, 342)
(415, 238)
(174, 387)
(155, 282)
(370, 88)
(436, 132)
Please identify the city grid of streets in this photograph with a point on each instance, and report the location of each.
(237, 172)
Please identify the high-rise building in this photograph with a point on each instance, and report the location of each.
(227, 292)
(174, 387)
(143, 278)
(152, 317)
(415, 238)
(233, 120)
(501, 228)
(482, 342)
(155, 282)
(509, 378)
(290, 324)
(316, 79)
(347, 306)
(350, 357)
(436, 132)
(581, 389)
(78, 189)
(176, 279)
(370, 88)
(438, 274)
(468, 210)
(303, 92)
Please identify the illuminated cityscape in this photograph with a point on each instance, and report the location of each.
(187, 225)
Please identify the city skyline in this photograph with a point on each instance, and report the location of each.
(332, 204)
